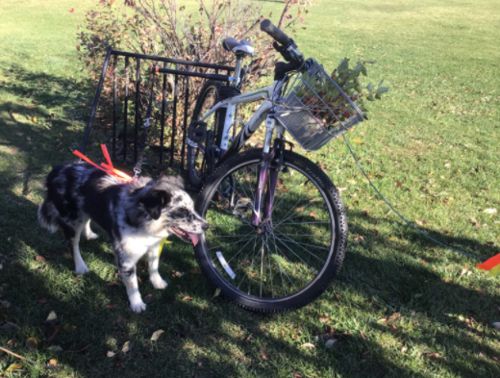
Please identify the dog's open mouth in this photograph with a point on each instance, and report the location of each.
(186, 236)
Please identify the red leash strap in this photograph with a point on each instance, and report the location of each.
(105, 167)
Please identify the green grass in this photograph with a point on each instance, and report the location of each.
(402, 305)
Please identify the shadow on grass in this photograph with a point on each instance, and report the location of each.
(203, 336)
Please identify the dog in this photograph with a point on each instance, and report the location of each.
(136, 215)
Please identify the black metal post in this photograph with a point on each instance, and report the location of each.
(95, 102)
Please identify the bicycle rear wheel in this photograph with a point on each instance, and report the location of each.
(287, 261)
(204, 137)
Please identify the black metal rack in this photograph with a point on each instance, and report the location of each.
(118, 107)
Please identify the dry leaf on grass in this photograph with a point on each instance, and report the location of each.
(13, 367)
(156, 334)
(433, 355)
(52, 316)
(52, 363)
(32, 342)
(126, 347)
(110, 354)
(308, 346)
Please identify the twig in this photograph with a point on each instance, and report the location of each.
(5, 350)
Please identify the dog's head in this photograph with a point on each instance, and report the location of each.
(166, 208)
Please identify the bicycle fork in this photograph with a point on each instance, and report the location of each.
(267, 179)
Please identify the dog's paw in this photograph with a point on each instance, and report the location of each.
(158, 282)
(138, 306)
(82, 269)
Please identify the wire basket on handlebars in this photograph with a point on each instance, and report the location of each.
(315, 109)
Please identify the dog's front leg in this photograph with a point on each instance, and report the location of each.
(129, 278)
(153, 264)
(128, 273)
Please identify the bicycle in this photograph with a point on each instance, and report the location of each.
(278, 229)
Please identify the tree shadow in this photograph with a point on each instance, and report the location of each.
(203, 336)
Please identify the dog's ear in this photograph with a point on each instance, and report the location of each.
(155, 200)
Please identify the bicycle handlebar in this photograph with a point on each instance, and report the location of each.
(283, 43)
(278, 35)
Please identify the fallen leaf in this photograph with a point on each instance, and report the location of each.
(156, 334)
(433, 355)
(177, 274)
(110, 354)
(216, 292)
(52, 363)
(491, 211)
(32, 342)
(296, 374)
(187, 298)
(394, 316)
(52, 316)
(263, 355)
(359, 238)
(126, 347)
(40, 258)
(308, 346)
(474, 222)
(465, 272)
(324, 319)
(13, 367)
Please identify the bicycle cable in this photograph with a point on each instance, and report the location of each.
(405, 221)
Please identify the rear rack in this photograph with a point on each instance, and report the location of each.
(119, 104)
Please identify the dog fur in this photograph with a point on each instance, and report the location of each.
(136, 215)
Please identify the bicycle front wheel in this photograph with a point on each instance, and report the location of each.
(287, 261)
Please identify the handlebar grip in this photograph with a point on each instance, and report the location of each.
(268, 27)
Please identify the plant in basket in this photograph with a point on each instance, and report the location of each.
(328, 102)
(349, 79)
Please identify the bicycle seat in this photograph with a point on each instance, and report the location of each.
(242, 47)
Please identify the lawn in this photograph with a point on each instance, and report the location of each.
(401, 306)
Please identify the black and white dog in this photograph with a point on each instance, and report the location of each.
(137, 215)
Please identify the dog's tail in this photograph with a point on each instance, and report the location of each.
(48, 215)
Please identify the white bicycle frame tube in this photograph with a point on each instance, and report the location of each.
(255, 120)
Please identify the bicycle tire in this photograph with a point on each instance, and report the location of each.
(338, 221)
(196, 175)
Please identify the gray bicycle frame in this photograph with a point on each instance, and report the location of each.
(269, 95)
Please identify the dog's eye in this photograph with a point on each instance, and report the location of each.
(180, 213)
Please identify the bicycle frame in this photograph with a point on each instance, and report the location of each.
(264, 112)
(266, 175)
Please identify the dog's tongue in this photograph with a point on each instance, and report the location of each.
(194, 239)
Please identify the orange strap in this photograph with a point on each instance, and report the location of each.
(105, 167)
(491, 263)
